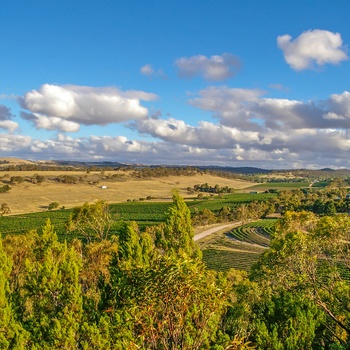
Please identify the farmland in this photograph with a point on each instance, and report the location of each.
(74, 188)
(238, 248)
(145, 213)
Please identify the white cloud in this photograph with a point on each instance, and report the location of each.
(14, 143)
(148, 71)
(249, 111)
(248, 129)
(5, 119)
(233, 107)
(205, 135)
(214, 68)
(51, 123)
(9, 125)
(313, 47)
(64, 105)
(284, 149)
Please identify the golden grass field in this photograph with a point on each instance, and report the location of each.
(28, 197)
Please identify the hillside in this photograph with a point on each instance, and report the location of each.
(28, 196)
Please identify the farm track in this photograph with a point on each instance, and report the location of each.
(215, 229)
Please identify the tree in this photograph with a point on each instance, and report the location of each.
(311, 255)
(53, 205)
(93, 221)
(176, 235)
(12, 335)
(5, 209)
(242, 213)
(225, 214)
(169, 303)
(204, 217)
(52, 299)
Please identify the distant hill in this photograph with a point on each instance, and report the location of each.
(237, 170)
(89, 164)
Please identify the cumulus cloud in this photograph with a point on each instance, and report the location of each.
(232, 106)
(5, 119)
(313, 47)
(5, 113)
(248, 128)
(284, 149)
(9, 125)
(214, 68)
(249, 110)
(51, 123)
(68, 105)
(258, 130)
(205, 135)
(148, 71)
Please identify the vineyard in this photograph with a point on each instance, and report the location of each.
(145, 213)
(279, 186)
(223, 260)
(239, 248)
(257, 232)
(230, 200)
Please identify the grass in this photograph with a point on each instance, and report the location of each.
(278, 186)
(121, 186)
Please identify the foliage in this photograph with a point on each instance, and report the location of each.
(4, 209)
(176, 235)
(4, 188)
(310, 255)
(93, 221)
(124, 288)
(53, 205)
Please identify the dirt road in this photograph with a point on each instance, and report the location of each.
(216, 229)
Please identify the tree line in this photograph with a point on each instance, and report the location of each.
(126, 289)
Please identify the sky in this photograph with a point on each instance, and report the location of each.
(188, 82)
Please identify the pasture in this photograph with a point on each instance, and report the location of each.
(110, 186)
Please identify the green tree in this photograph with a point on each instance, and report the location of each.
(176, 235)
(4, 209)
(204, 217)
(53, 205)
(93, 221)
(310, 255)
(170, 303)
(52, 299)
(12, 335)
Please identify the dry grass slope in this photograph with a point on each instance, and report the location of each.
(28, 197)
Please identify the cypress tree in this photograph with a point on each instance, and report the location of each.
(12, 335)
(176, 235)
(52, 294)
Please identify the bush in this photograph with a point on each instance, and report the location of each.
(53, 205)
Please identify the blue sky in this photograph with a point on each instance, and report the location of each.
(234, 83)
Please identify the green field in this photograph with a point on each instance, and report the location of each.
(238, 248)
(257, 232)
(145, 213)
(321, 184)
(231, 200)
(279, 186)
(223, 260)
